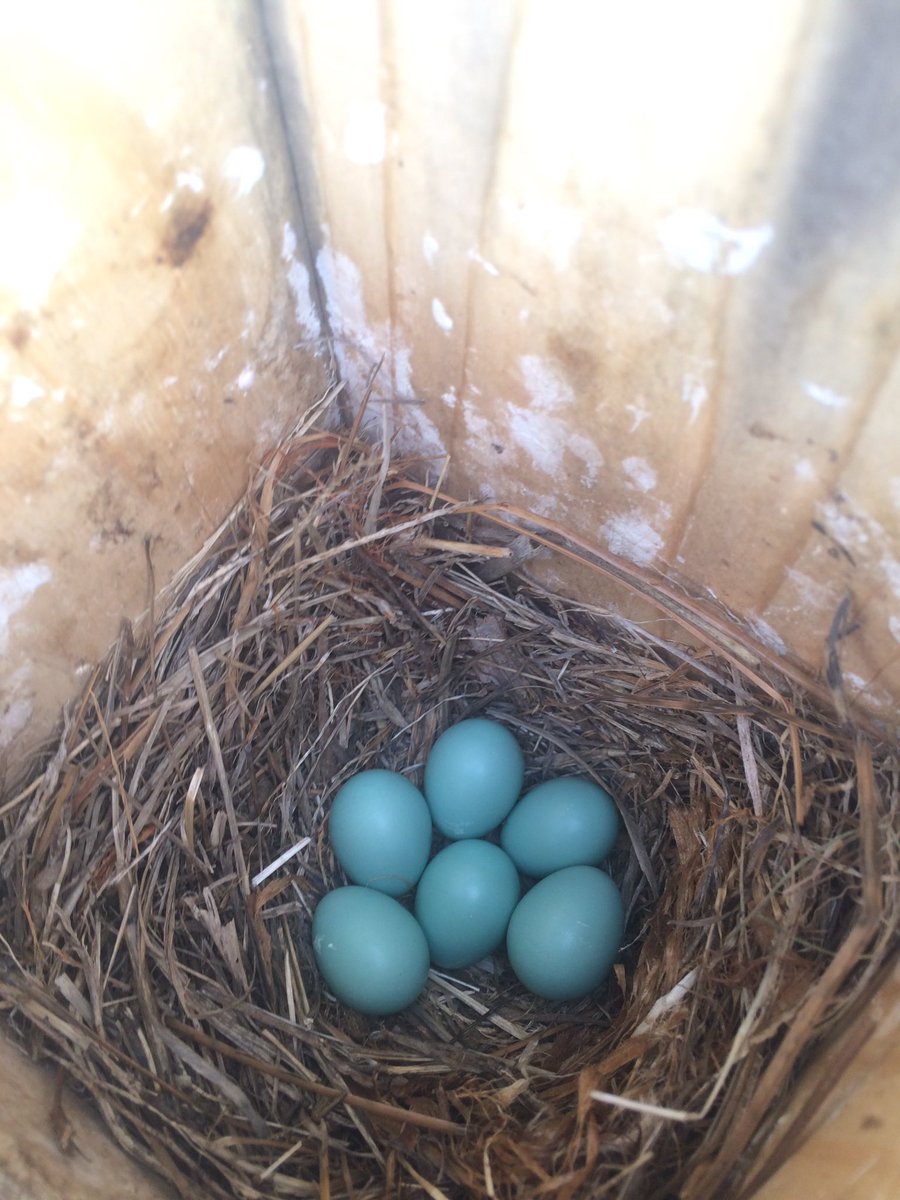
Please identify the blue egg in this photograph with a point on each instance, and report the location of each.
(464, 901)
(371, 952)
(560, 823)
(473, 776)
(565, 933)
(380, 830)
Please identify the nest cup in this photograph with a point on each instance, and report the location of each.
(342, 617)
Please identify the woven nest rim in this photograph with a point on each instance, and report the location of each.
(346, 597)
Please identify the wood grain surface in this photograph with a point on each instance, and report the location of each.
(157, 327)
(633, 267)
(53, 1147)
(850, 1151)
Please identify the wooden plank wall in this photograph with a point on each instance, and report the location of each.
(634, 266)
(630, 266)
(53, 1145)
(850, 1150)
(157, 332)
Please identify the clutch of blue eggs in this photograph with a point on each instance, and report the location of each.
(562, 936)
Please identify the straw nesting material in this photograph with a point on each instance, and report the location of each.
(341, 618)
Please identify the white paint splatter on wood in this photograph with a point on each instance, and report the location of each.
(244, 167)
(192, 180)
(545, 439)
(17, 586)
(825, 396)
(545, 385)
(358, 344)
(846, 528)
(479, 431)
(891, 568)
(403, 384)
(24, 391)
(585, 449)
(418, 434)
(551, 228)
(862, 535)
(694, 393)
(541, 436)
(540, 430)
(631, 536)
(811, 592)
(342, 283)
(15, 706)
(856, 681)
(441, 317)
(305, 311)
(767, 635)
(365, 136)
(430, 248)
(698, 240)
(640, 473)
(37, 236)
(483, 262)
(640, 412)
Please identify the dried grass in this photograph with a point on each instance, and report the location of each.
(340, 619)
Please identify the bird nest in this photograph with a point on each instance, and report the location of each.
(160, 869)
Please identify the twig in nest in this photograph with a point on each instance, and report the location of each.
(264, 874)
